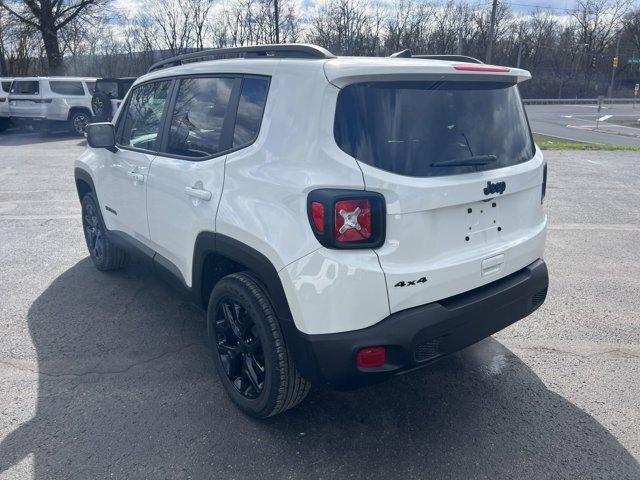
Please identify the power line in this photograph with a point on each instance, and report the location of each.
(537, 6)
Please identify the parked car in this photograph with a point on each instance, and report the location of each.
(340, 219)
(51, 101)
(5, 86)
(108, 95)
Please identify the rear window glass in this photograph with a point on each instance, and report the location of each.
(25, 87)
(66, 88)
(433, 128)
(110, 88)
(5, 86)
(250, 108)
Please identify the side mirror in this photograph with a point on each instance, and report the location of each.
(101, 135)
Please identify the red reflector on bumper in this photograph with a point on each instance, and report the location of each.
(371, 357)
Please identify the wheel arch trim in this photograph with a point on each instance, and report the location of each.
(75, 109)
(81, 175)
(263, 270)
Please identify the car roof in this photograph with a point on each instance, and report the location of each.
(344, 69)
(116, 79)
(72, 79)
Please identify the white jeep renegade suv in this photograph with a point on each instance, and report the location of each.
(341, 219)
(47, 101)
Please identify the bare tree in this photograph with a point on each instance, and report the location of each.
(345, 26)
(174, 25)
(407, 27)
(49, 17)
(598, 23)
(199, 18)
(4, 41)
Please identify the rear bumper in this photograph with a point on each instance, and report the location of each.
(418, 336)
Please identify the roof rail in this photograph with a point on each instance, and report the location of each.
(283, 50)
(406, 53)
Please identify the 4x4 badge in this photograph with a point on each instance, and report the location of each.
(497, 187)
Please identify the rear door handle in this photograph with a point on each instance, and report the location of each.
(136, 177)
(198, 193)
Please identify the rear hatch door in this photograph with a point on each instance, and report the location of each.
(462, 180)
(26, 100)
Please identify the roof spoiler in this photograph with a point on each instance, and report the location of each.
(406, 53)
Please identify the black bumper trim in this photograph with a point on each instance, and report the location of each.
(419, 335)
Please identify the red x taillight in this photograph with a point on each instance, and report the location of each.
(347, 219)
(352, 220)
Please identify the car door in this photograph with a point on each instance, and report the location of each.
(137, 138)
(186, 178)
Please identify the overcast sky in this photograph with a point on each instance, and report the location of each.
(558, 7)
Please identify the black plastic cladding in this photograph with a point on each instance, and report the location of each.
(328, 198)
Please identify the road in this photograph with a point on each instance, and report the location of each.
(108, 376)
(578, 122)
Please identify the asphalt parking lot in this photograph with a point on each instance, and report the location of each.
(579, 123)
(108, 376)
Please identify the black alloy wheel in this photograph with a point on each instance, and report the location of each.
(240, 348)
(249, 350)
(93, 232)
(104, 254)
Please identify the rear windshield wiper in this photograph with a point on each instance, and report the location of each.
(467, 162)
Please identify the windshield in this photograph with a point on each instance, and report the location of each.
(430, 128)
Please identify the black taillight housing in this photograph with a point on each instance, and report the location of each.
(347, 219)
(544, 183)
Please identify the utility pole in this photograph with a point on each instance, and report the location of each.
(519, 54)
(492, 27)
(276, 14)
(614, 67)
(459, 49)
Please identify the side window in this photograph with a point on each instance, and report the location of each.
(250, 109)
(198, 117)
(66, 88)
(91, 86)
(6, 86)
(25, 87)
(140, 122)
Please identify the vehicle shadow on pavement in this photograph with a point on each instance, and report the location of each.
(15, 138)
(126, 389)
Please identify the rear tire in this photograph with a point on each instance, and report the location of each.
(249, 350)
(79, 121)
(104, 254)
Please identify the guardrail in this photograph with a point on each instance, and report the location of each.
(576, 101)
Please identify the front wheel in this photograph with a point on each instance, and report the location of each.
(104, 254)
(249, 351)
